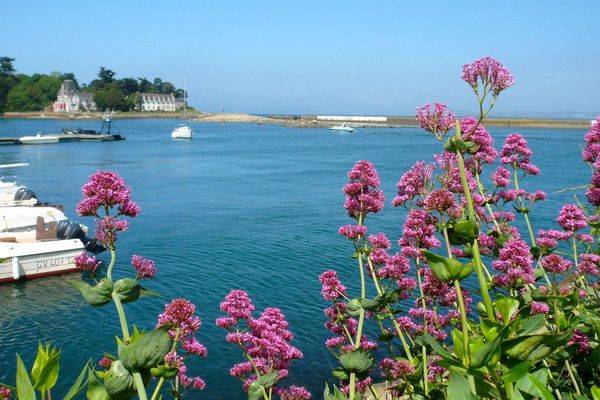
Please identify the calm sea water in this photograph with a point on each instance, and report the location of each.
(253, 207)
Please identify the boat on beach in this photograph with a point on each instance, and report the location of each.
(344, 128)
(38, 139)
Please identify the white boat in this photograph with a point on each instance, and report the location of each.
(26, 255)
(183, 131)
(12, 194)
(342, 128)
(23, 219)
(38, 139)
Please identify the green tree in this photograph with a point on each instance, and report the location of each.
(7, 79)
(128, 86)
(111, 98)
(145, 86)
(33, 93)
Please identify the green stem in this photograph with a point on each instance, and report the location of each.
(477, 263)
(139, 385)
(122, 319)
(158, 387)
(113, 257)
(510, 393)
(570, 371)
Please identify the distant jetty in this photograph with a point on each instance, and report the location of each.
(308, 121)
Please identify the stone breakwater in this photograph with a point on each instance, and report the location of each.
(307, 121)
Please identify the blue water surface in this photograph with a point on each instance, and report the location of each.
(241, 206)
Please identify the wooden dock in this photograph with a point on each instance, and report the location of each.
(62, 137)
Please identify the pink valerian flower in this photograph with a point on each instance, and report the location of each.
(448, 162)
(193, 346)
(414, 182)
(516, 262)
(439, 200)
(353, 232)
(5, 393)
(581, 341)
(173, 360)
(516, 152)
(361, 386)
(144, 267)
(180, 313)
(504, 216)
(585, 238)
(536, 196)
(488, 72)
(555, 264)
(589, 264)
(550, 238)
(436, 373)
(590, 154)
(339, 320)
(107, 228)
(105, 362)
(237, 304)
(265, 341)
(394, 267)
(332, 288)
(501, 178)
(539, 308)
(418, 233)
(571, 218)
(487, 243)
(294, 393)
(106, 189)
(484, 151)
(395, 369)
(363, 195)
(87, 263)
(437, 121)
(380, 241)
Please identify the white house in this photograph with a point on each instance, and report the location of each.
(70, 99)
(158, 102)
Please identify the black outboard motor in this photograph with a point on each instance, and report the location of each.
(72, 230)
(24, 194)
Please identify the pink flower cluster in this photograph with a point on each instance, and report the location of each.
(571, 218)
(490, 73)
(395, 369)
(418, 233)
(144, 267)
(332, 288)
(180, 313)
(438, 120)
(413, 182)
(484, 151)
(554, 263)
(87, 263)
(516, 152)
(363, 195)
(106, 189)
(516, 262)
(5, 393)
(353, 232)
(591, 154)
(264, 341)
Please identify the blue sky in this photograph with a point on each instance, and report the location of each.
(347, 57)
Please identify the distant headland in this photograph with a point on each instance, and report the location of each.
(308, 121)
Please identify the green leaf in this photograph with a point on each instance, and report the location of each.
(485, 353)
(45, 368)
(340, 374)
(464, 231)
(442, 352)
(358, 361)
(544, 393)
(255, 391)
(353, 307)
(268, 380)
(148, 350)
(96, 390)
(118, 382)
(25, 389)
(128, 290)
(595, 392)
(517, 372)
(438, 265)
(531, 325)
(458, 387)
(506, 306)
(96, 296)
(79, 384)
(148, 293)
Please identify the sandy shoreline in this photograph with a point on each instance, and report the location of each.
(309, 121)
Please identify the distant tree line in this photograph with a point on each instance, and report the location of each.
(20, 92)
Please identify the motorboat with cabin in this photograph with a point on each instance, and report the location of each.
(344, 128)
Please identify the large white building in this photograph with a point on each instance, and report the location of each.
(158, 102)
(69, 99)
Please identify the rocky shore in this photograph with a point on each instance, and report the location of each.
(308, 121)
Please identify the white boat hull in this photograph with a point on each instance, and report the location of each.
(38, 139)
(38, 259)
(343, 130)
(182, 132)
